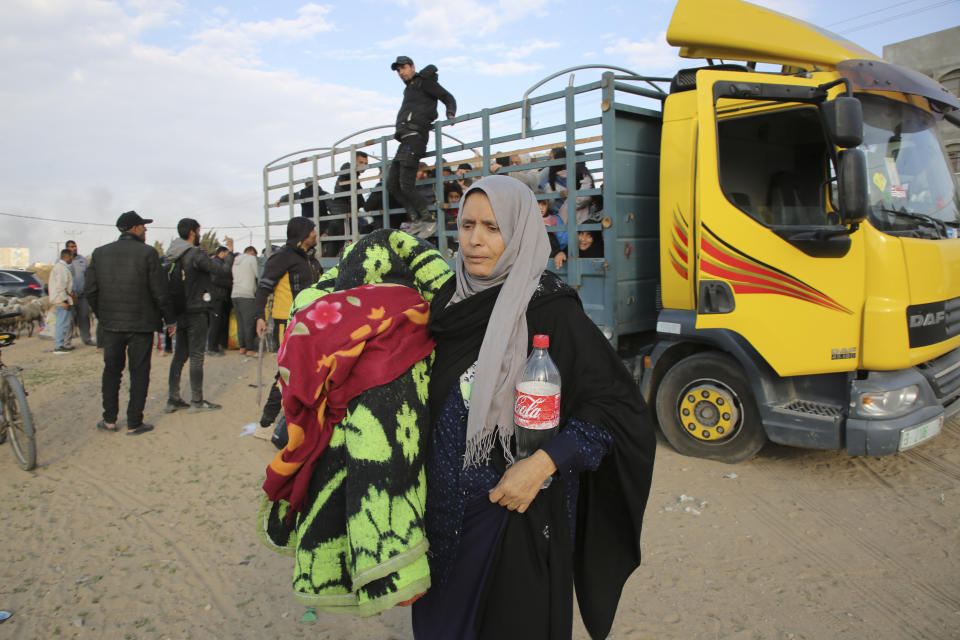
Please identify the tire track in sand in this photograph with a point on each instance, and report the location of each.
(888, 606)
(190, 560)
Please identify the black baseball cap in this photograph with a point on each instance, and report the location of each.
(399, 62)
(130, 219)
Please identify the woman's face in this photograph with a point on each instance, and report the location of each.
(584, 240)
(479, 235)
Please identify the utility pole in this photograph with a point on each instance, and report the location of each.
(251, 233)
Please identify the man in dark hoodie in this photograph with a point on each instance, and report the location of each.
(128, 292)
(287, 272)
(198, 268)
(417, 113)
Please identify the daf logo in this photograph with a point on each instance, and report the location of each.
(928, 319)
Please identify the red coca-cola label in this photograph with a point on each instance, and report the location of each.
(536, 412)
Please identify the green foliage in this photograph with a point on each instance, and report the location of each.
(209, 241)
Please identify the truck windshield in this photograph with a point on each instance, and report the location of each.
(912, 191)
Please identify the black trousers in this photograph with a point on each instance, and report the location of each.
(403, 175)
(219, 319)
(118, 348)
(81, 320)
(246, 324)
(191, 338)
(272, 408)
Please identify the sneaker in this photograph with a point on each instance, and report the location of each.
(203, 405)
(173, 405)
(427, 229)
(63, 350)
(215, 354)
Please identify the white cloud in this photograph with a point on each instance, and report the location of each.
(170, 133)
(239, 42)
(507, 68)
(646, 57)
(460, 24)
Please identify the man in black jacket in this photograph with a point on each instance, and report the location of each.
(417, 113)
(127, 290)
(287, 272)
(197, 267)
(217, 336)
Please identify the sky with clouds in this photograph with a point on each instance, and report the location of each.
(172, 108)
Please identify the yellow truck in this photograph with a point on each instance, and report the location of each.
(780, 256)
(809, 261)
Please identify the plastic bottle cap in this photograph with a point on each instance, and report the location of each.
(541, 341)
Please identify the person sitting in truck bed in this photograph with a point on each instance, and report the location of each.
(556, 182)
(590, 244)
(558, 240)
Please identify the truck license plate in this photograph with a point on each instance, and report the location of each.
(915, 435)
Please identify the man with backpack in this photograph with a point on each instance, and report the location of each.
(189, 278)
(126, 288)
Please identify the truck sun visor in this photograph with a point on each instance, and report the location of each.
(875, 75)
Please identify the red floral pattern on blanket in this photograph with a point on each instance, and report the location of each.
(336, 348)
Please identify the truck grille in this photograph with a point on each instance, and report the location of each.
(933, 322)
(943, 374)
(812, 408)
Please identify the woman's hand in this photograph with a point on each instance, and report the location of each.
(522, 481)
(559, 258)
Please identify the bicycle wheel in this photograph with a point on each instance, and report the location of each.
(16, 413)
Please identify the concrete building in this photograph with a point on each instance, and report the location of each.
(938, 56)
(15, 257)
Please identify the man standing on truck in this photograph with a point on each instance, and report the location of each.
(417, 113)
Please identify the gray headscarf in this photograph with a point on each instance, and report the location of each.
(503, 352)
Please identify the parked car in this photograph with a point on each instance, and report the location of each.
(20, 283)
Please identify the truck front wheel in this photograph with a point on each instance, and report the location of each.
(706, 409)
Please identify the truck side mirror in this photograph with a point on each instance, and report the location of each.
(844, 116)
(852, 179)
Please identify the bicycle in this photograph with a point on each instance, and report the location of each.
(16, 421)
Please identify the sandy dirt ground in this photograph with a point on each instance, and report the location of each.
(113, 536)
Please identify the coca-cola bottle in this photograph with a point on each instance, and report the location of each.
(536, 409)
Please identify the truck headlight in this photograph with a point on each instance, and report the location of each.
(889, 403)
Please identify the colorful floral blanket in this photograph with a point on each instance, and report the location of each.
(358, 536)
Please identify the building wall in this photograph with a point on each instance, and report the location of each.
(938, 56)
(15, 257)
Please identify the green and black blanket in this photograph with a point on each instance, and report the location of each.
(358, 540)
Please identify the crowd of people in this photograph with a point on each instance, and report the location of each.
(411, 182)
(498, 531)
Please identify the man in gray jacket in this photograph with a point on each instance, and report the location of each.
(245, 272)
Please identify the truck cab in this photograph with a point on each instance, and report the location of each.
(795, 297)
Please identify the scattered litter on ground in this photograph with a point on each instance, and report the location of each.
(731, 476)
(696, 508)
(247, 429)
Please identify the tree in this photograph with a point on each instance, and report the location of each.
(209, 241)
(158, 246)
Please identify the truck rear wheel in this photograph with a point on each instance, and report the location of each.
(706, 409)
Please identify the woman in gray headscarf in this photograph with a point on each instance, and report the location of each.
(502, 556)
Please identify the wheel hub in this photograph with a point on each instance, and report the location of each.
(708, 412)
